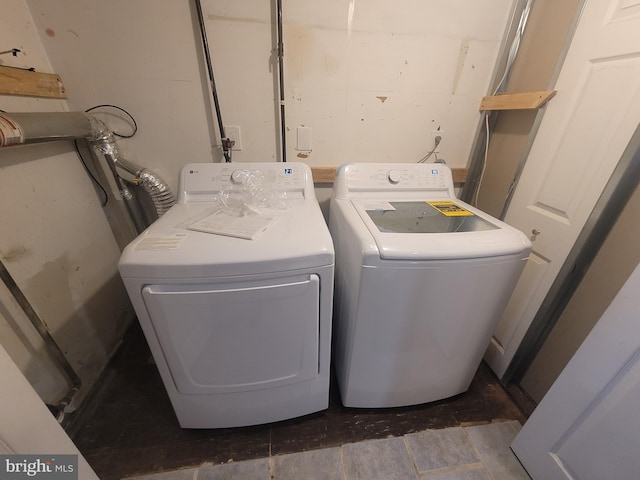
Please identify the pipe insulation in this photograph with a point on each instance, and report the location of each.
(26, 128)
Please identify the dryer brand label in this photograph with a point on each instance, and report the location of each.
(450, 209)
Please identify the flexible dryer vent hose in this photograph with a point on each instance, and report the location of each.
(158, 190)
(160, 193)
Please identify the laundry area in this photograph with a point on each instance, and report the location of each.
(277, 231)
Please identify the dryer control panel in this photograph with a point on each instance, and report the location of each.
(393, 177)
(202, 181)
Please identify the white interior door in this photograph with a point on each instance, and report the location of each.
(587, 426)
(26, 425)
(583, 134)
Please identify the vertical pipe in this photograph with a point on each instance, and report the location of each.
(214, 91)
(106, 146)
(283, 128)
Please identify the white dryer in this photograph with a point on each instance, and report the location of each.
(421, 281)
(239, 328)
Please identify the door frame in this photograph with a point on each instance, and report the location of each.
(620, 187)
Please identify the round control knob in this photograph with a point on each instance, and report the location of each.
(237, 177)
(394, 176)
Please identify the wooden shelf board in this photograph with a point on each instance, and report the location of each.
(327, 174)
(517, 101)
(16, 81)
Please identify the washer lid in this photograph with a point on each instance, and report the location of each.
(436, 229)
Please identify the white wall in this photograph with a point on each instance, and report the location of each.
(371, 89)
(371, 79)
(141, 55)
(54, 240)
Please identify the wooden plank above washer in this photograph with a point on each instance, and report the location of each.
(327, 174)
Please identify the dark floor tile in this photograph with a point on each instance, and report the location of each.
(127, 426)
(485, 401)
(222, 448)
(114, 464)
(102, 462)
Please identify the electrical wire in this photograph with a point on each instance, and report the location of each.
(105, 196)
(436, 142)
(484, 163)
(513, 51)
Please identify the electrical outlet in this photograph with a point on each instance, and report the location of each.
(233, 133)
(434, 135)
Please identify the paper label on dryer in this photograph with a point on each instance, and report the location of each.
(221, 223)
(161, 242)
(450, 209)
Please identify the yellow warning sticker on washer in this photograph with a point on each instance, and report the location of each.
(449, 208)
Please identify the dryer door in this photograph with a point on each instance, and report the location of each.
(221, 338)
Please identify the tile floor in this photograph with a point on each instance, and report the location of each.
(127, 428)
(457, 453)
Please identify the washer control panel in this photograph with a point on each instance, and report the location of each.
(376, 177)
(203, 180)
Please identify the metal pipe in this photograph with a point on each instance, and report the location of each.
(50, 126)
(159, 191)
(53, 348)
(106, 146)
(283, 128)
(214, 92)
(130, 167)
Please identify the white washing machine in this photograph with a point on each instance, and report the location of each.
(240, 328)
(421, 281)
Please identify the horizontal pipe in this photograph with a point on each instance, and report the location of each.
(49, 126)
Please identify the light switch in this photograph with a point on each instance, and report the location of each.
(303, 138)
